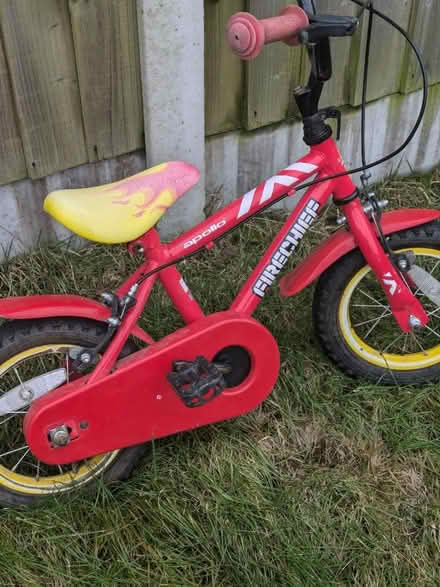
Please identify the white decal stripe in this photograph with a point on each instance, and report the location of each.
(183, 285)
(270, 185)
(246, 203)
(303, 167)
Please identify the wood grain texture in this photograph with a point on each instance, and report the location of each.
(387, 52)
(107, 56)
(337, 90)
(424, 31)
(39, 49)
(272, 76)
(224, 72)
(12, 163)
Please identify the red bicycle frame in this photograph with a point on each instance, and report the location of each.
(141, 404)
(149, 395)
(323, 160)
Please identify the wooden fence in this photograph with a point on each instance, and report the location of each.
(261, 92)
(70, 84)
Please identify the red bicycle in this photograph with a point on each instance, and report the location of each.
(80, 400)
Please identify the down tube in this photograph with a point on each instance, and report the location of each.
(284, 245)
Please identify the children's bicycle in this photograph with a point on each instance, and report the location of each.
(80, 400)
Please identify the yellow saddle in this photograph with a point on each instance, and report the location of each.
(123, 211)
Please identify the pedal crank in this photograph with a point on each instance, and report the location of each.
(198, 382)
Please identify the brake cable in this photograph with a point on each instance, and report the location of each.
(366, 5)
(376, 214)
(365, 177)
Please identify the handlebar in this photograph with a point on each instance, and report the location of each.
(324, 26)
(247, 35)
(308, 6)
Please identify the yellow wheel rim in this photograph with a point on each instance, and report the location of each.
(43, 485)
(404, 362)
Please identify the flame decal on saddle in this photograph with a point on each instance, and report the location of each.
(144, 195)
(286, 249)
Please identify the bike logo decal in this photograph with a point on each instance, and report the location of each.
(391, 283)
(269, 186)
(205, 233)
(286, 249)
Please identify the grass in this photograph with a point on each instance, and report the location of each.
(330, 482)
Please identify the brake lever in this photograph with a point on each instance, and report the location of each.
(327, 26)
(308, 6)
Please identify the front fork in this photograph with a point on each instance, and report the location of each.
(406, 308)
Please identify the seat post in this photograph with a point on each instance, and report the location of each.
(151, 246)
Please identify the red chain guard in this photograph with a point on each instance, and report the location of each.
(136, 403)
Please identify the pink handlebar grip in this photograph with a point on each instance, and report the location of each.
(247, 35)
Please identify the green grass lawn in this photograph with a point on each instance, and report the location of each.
(331, 482)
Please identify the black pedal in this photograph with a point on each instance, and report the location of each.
(197, 382)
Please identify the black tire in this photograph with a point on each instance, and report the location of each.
(332, 311)
(16, 338)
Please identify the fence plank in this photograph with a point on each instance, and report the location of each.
(12, 163)
(224, 72)
(425, 19)
(107, 55)
(387, 53)
(272, 76)
(39, 49)
(337, 90)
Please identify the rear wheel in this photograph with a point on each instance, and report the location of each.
(30, 349)
(356, 327)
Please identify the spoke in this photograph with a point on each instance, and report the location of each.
(60, 468)
(406, 340)
(11, 416)
(433, 331)
(384, 315)
(5, 454)
(434, 313)
(37, 476)
(435, 267)
(372, 299)
(430, 273)
(416, 340)
(19, 461)
(18, 375)
(392, 343)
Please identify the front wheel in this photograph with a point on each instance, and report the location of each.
(29, 349)
(356, 327)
